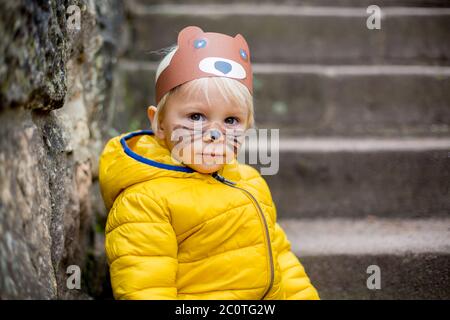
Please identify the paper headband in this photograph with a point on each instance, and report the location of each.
(206, 54)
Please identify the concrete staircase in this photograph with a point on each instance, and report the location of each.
(364, 119)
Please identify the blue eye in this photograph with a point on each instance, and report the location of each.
(196, 117)
(243, 54)
(200, 43)
(232, 122)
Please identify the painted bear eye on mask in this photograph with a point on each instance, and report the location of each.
(206, 54)
(200, 43)
(243, 54)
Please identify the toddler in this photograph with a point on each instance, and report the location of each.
(186, 220)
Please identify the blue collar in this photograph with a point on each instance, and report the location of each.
(134, 155)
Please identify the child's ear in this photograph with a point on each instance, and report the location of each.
(151, 111)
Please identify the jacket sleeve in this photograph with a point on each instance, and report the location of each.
(141, 249)
(294, 278)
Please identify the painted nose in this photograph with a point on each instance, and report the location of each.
(222, 66)
(212, 135)
(215, 134)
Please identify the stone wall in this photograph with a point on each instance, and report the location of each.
(56, 84)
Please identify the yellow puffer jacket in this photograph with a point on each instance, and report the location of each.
(174, 233)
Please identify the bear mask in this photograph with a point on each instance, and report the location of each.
(206, 54)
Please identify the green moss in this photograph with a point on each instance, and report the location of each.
(279, 107)
(135, 124)
(99, 228)
(257, 84)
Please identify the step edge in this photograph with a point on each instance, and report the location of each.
(326, 70)
(362, 144)
(398, 236)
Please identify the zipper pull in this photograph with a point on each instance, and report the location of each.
(222, 179)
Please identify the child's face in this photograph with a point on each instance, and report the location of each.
(188, 122)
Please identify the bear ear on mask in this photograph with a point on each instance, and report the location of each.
(187, 34)
(239, 37)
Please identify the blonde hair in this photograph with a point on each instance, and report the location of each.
(232, 90)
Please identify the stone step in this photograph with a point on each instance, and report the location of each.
(353, 100)
(347, 3)
(349, 177)
(367, 236)
(321, 100)
(297, 34)
(413, 256)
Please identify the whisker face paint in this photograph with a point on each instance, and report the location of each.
(190, 141)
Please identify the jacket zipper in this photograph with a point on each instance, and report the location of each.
(230, 183)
